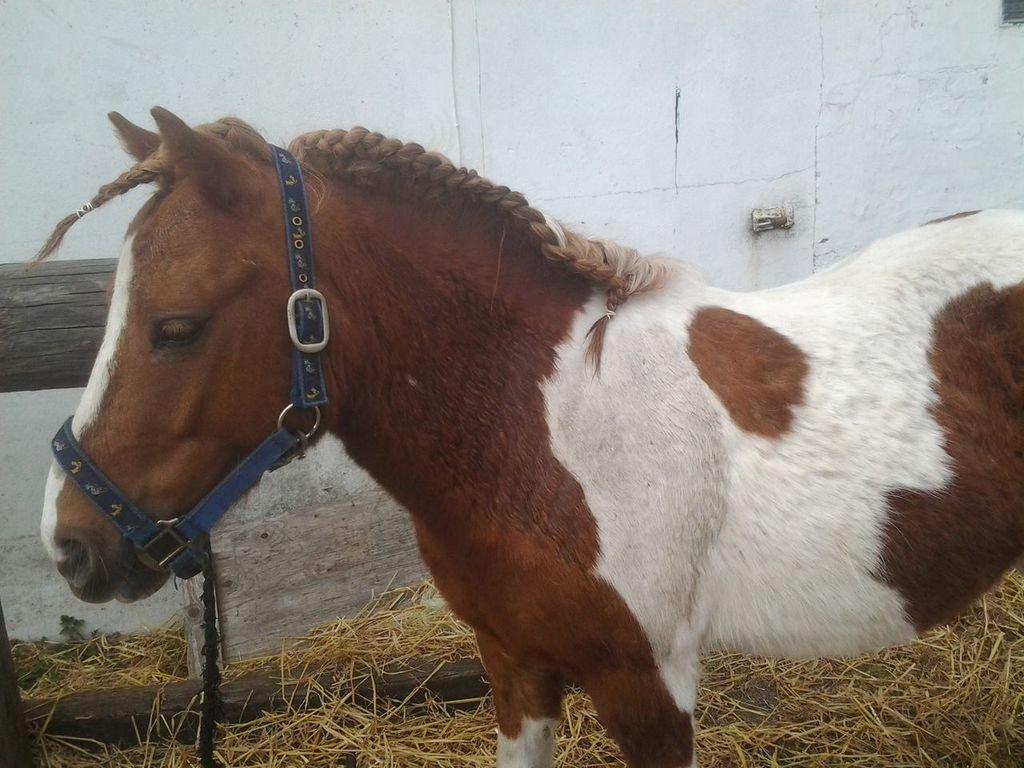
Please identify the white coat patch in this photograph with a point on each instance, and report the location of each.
(89, 406)
(716, 537)
(48, 525)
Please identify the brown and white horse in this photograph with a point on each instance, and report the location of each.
(823, 468)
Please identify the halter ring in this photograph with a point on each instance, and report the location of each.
(305, 435)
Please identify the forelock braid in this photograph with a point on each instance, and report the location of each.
(234, 132)
(364, 155)
(140, 173)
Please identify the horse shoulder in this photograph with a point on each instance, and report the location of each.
(642, 439)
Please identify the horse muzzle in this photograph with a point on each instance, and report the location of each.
(98, 572)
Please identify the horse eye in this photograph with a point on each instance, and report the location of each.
(177, 332)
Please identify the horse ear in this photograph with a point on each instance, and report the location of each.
(221, 175)
(137, 141)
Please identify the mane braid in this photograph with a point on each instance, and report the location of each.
(140, 173)
(366, 156)
(234, 132)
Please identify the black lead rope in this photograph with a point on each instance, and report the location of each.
(211, 711)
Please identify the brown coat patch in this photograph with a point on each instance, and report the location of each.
(943, 549)
(439, 399)
(756, 372)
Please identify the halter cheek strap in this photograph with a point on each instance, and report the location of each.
(170, 544)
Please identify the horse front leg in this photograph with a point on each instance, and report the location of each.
(528, 703)
(649, 712)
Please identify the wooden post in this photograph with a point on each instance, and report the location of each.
(15, 748)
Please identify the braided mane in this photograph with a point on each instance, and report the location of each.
(369, 157)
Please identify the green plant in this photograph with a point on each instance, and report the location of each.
(71, 628)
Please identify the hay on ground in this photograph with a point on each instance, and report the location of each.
(956, 698)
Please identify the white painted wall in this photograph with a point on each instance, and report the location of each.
(867, 117)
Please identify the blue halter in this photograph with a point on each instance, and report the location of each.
(175, 545)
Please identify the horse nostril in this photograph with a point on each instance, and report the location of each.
(74, 565)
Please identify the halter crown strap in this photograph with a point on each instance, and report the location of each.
(307, 310)
(169, 544)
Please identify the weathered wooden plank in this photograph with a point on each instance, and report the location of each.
(171, 711)
(15, 748)
(282, 574)
(51, 322)
(192, 592)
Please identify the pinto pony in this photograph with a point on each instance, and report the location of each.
(610, 465)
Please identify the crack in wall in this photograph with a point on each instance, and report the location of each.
(817, 133)
(479, 90)
(455, 91)
(466, 81)
(674, 187)
(675, 154)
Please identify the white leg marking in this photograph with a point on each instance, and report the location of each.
(534, 747)
(106, 359)
(681, 669)
(48, 525)
(680, 672)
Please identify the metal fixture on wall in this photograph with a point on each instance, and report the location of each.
(777, 217)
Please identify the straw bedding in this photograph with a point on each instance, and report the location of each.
(956, 698)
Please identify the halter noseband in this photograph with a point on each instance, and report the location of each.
(169, 544)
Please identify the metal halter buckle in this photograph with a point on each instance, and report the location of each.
(305, 294)
(166, 529)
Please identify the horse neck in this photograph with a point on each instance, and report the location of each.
(450, 317)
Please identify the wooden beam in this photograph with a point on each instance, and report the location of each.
(161, 712)
(51, 322)
(15, 747)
